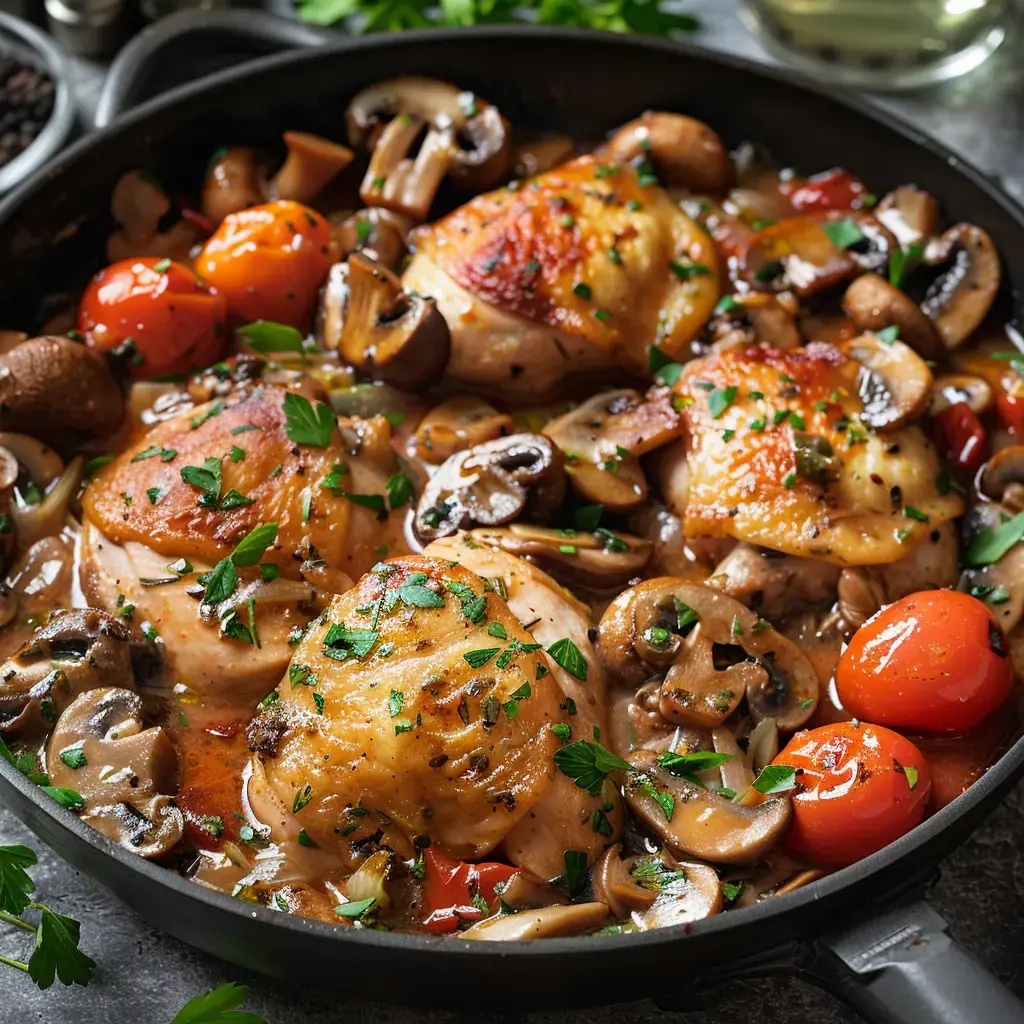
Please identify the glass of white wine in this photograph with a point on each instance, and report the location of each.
(881, 44)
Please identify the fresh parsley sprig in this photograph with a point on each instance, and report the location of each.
(218, 1007)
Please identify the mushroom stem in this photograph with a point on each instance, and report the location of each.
(309, 166)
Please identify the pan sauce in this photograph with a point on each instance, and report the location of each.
(630, 443)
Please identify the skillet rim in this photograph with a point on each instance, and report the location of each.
(979, 797)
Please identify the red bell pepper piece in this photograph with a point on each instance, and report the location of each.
(961, 437)
(449, 888)
(832, 190)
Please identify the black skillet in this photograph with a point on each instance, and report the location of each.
(861, 932)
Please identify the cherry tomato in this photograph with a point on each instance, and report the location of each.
(451, 886)
(269, 262)
(961, 438)
(175, 322)
(831, 190)
(935, 661)
(1011, 411)
(859, 788)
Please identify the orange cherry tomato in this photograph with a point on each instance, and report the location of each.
(453, 890)
(269, 262)
(935, 661)
(859, 788)
(175, 321)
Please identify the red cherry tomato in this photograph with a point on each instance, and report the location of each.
(832, 190)
(450, 886)
(859, 788)
(935, 661)
(269, 262)
(961, 437)
(1011, 412)
(175, 322)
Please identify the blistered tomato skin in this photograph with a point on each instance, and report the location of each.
(936, 661)
(269, 262)
(859, 787)
(175, 322)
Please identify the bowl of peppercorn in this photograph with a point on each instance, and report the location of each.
(37, 114)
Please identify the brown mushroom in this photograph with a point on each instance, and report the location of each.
(859, 595)
(491, 484)
(874, 305)
(1000, 584)
(377, 233)
(138, 205)
(310, 164)
(776, 875)
(465, 138)
(456, 424)
(910, 213)
(960, 298)
(703, 823)
(656, 890)
(603, 438)
(813, 252)
(684, 151)
(895, 383)
(525, 890)
(603, 560)
(753, 319)
(59, 391)
(123, 771)
(397, 337)
(1002, 478)
(675, 629)
(231, 184)
(952, 388)
(74, 652)
(537, 156)
(546, 923)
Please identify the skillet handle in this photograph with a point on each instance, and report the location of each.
(903, 967)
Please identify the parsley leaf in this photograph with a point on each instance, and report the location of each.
(396, 701)
(990, 545)
(340, 642)
(267, 336)
(400, 490)
(218, 1007)
(14, 881)
(775, 778)
(356, 908)
(480, 657)
(575, 864)
(588, 764)
(205, 478)
(69, 798)
(844, 233)
(686, 765)
(253, 546)
(57, 953)
(720, 399)
(568, 655)
(305, 424)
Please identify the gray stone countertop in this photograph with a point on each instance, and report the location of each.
(146, 976)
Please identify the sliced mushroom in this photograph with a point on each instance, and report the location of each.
(754, 319)
(399, 338)
(670, 627)
(377, 233)
(465, 138)
(874, 305)
(59, 391)
(776, 875)
(655, 889)
(138, 205)
(603, 438)
(1002, 477)
(703, 823)
(773, 584)
(895, 382)
(960, 298)
(538, 156)
(910, 213)
(123, 771)
(859, 595)
(951, 388)
(75, 651)
(456, 424)
(684, 151)
(1001, 584)
(491, 484)
(310, 164)
(546, 923)
(525, 890)
(799, 254)
(601, 561)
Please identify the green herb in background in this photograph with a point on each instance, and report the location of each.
(646, 16)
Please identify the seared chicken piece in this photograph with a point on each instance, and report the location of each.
(582, 267)
(418, 700)
(141, 516)
(777, 455)
(264, 477)
(565, 817)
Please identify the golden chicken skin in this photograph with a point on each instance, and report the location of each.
(418, 700)
(579, 268)
(183, 497)
(776, 453)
